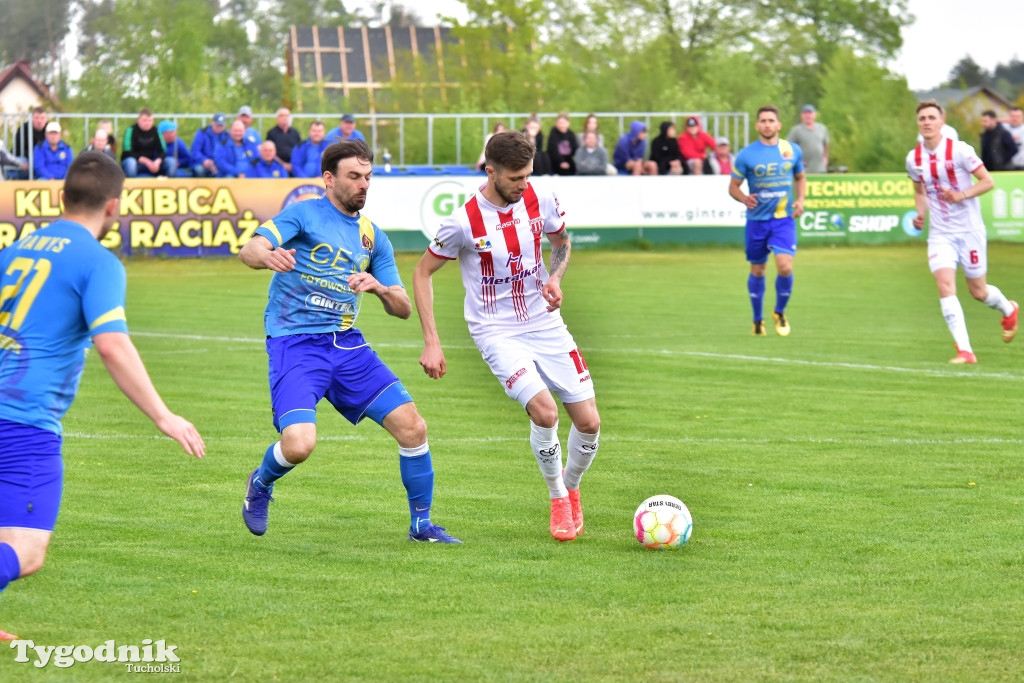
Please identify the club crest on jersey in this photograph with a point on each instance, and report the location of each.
(482, 244)
(536, 225)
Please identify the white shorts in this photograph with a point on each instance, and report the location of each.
(527, 363)
(969, 249)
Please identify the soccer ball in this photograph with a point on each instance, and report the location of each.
(662, 523)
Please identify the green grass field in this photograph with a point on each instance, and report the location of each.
(857, 501)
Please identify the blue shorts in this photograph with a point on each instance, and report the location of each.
(777, 235)
(340, 366)
(31, 476)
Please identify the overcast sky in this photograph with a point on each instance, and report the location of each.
(944, 32)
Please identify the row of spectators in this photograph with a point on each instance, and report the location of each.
(217, 149)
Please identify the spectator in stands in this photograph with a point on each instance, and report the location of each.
(142, 153)
(1015, 124)
(694, 144)
(102, 141)
(306, 157)
(235, 158)
(562, 146)
(268, 165)
(108, 126)
(499, 127)
(541, 161)
(284, 137)
(31, 134)
(590, 124)
(205, 144)
(251, 134)
(997, 144)
(10, 165)
(722, 159)
(665, 151)
(53, 157)
(812, 137)
(630, 151)
(591, 158)
(177, 160)
(346, 130)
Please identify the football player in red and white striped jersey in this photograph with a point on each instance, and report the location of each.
(512, 307)
(941, 169)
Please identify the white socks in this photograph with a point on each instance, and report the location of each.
(582, 449)
(998, 301)
(953, 312)
(544, 441)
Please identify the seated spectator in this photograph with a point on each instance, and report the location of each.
(590, 124)
(541, 161)
(499, 127)
(562, 147)
(694, 144)
(205, 144)
(142, 153)
(591, 158)
(31, 134)
(665, 151)
(177, 160)
(102, 141)
(284, 137)
(10, 165)
(251, 134)
(306, 157)
(268, 165)
(52, 158)
(722, 160)
(346, 130)
(235, 158)
(108, 126)
(629, 152)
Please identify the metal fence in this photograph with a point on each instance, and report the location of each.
(422, 139)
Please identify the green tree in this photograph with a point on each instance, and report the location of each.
(36, 32)
(967, 74)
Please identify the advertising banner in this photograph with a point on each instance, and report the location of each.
(215, 217)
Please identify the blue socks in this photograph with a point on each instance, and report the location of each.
(10, 567)
(755, 285)
(273, 467)
(418, 478)
(783, 290)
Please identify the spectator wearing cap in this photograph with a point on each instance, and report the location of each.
(53, 156)
(284, 137)
(812, 137)
(235, 158)
(306, 157)
(630, 151)
(346, 130)
(694, 145)
(142, 153)
(251, 134)
(177, 160)
(722, 159)
(205, 144)
(268, 165)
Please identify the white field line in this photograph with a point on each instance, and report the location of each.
(868, 367)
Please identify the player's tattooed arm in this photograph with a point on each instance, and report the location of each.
(560, 248)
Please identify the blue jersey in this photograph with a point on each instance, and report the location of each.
(769, 171)
(315, 298)
(58, 288)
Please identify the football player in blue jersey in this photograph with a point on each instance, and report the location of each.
(774, 171)
(325, 254)
(59, 288)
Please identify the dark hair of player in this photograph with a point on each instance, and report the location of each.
(345, 149)
(930, 103)
(92, 180)
(769, 107)
(509, 150)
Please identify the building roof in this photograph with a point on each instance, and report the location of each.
(21, 69)
(952, 96)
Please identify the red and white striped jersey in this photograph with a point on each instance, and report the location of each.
(950, 165)
(499, 251)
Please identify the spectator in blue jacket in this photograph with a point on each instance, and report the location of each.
(630, 151)
(53, 156)
(346, 130)
(268, 166)
(205, 144)
(251, 134)
(177, 160)
(306, 157)
(235, 159)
